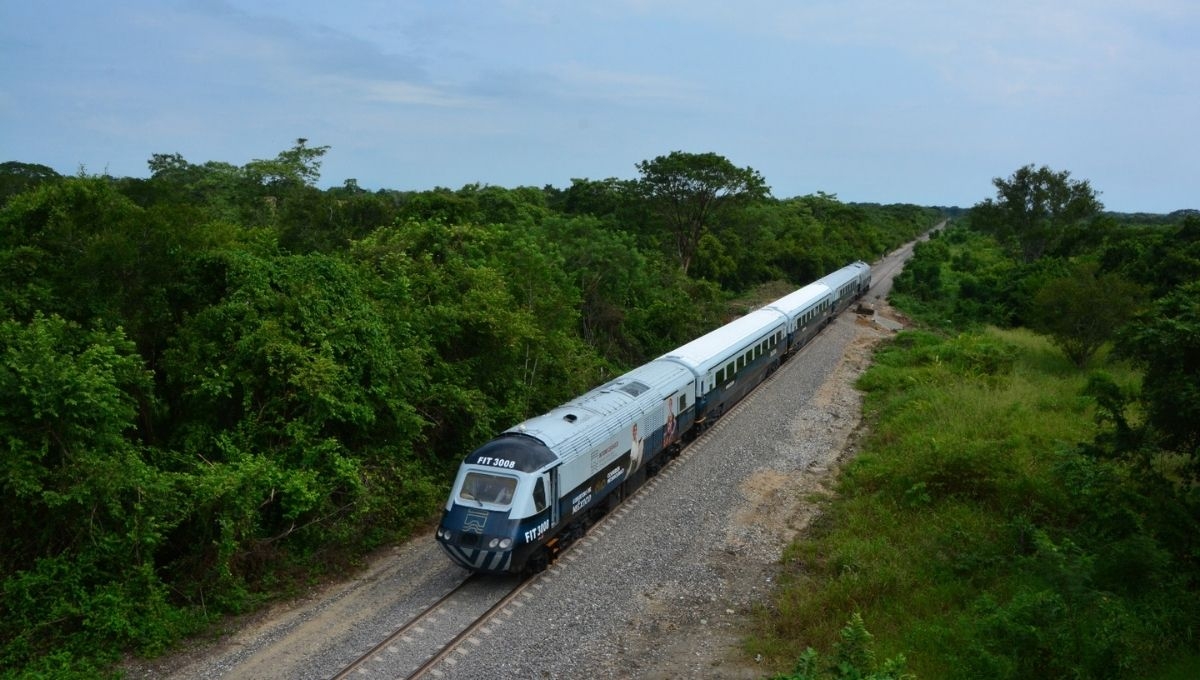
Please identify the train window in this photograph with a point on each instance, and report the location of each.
(729, 371)
(682, 403)
(721, 376)
(484, 488)
(539, 495)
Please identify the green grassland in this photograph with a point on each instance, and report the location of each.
(973, 532)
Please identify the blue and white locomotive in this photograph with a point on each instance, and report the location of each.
(523, 497)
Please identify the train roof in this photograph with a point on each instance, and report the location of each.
(796, 302)
(844, 275)
(596, 415)
(701, 353)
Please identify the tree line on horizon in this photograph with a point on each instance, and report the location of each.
(220, 382)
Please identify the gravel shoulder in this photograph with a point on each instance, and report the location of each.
(774, 504)
(663, 589)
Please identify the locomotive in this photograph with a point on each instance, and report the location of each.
(520, 499)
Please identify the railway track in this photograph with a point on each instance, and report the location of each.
(432, 636)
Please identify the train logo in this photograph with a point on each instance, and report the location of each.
(475, 522)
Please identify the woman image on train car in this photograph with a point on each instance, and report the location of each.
(669, 436)
(635, 452)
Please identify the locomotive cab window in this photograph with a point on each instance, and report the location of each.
(539, 495)
(484, 488)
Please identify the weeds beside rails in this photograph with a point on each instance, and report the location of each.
(975, 536)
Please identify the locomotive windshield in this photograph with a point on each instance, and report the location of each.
(485, 488)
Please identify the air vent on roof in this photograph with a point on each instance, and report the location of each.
(570, 417)
(634, 387)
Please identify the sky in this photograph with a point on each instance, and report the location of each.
(886, 101)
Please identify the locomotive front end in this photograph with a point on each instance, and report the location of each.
(477, 529)
(498, 506)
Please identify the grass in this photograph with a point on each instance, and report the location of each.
(958, 535)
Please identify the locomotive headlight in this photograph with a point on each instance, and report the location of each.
(493, 543)
(505, 543)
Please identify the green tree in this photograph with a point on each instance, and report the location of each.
(1166, 341)
(293, 399)
(85, 513)
(1084, 309)
(691, 193)
(1038, 211)
(599, 198)
(300, 164)
(17, 177)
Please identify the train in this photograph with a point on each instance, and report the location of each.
(523, 497)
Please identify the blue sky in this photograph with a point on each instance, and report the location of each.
(872, 100)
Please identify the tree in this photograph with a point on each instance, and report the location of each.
(300, 164)
(17, 177)
(1037, 211)
(1084, 309)
(691, 192)
(1167, 342)
(85, 513)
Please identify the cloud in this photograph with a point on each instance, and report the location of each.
(352, 89)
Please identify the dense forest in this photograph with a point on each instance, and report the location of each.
(1027, 503)
(221, 382)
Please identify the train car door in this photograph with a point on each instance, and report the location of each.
(555, 504)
